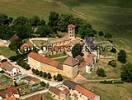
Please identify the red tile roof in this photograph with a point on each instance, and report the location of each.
(44, 59)
(11, 90)
(55, 90)
(10, 98)
(85, 92)
(71, 61)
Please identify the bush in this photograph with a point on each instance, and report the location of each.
(45, 75)
(43, 84)
(49, 76)
(101, 72)
(101, 33)
(112, 82)
(122, 56)
(113, 50)
(112, 63)
(59, 77)
(40, 73)
(126, 73)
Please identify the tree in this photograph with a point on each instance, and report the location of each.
(113, 50)
(112, 63)
(49, 76)
(54, 77)
(126, 73)
(5, 32)
(44, 31)
(23, 31)
(43, 84)
(76, 50)
(122, 56)
(101, 72)
(101, 33)
(4, 20)
(15, 45)
(21, 20)
(59, 77)
(108, 35)
(35, 21)
(53, 20)
(45, 75)
(86, 30)
(40, 73)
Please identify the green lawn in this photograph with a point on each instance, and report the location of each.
(111, 91)
(6, 52)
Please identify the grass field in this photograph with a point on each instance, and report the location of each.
(6, 52)
(111, 91)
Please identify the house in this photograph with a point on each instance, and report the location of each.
(89, 63)
(69, 68)
(78, 92)
(59, 94)
(9, 68)
(10, 98)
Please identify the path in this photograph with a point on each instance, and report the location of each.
(35, 93)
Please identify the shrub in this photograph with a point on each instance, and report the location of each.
(101, 72)
(112, 82)
(49, 76)
(113, 50)
(59, 77)
(122, 56)
(43, 84)
(101, 33)
(45, 75)
(40, 73)
(112, 63)
(126, 73)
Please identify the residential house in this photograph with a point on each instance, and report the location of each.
(89, 63)
(59, 94)
(9, 68)
(78, 92)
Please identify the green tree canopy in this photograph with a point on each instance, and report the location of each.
(35, 21)
(122, 56)
(21, 20)
(126, 73)
(76, 50)
(101, 72)
(85, 30)
(44, 31)
(53, 20)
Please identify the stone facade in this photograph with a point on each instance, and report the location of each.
(65, 70)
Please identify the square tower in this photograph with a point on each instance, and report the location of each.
(71, 31)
